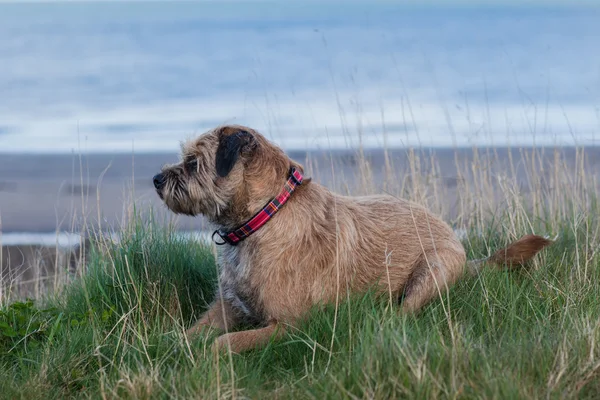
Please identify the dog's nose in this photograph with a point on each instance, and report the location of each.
(159, 181)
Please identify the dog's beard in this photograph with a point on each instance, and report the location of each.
(177, 198)
(191, 195)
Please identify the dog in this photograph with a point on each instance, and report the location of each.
(287, 243)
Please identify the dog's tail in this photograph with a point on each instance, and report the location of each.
(513, 256)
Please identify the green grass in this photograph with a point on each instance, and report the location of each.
(118, 332)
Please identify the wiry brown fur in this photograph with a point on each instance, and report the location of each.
(318, 245)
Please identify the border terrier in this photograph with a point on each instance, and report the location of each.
(288, 243)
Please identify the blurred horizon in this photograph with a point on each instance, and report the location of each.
(117, 77)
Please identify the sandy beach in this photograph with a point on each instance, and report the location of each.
(50, 193)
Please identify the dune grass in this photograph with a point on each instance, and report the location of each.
(118, 331)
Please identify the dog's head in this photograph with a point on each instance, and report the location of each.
(226, 174)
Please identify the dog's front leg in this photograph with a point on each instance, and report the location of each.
(241, 341)
(219, 316)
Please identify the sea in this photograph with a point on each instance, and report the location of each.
(122, 76)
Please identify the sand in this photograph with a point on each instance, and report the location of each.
(45, 193)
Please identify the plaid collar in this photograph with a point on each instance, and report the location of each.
(261, 218)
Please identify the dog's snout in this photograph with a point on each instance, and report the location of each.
(159, 181)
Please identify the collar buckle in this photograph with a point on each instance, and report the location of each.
(226, 239)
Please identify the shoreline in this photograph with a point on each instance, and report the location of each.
(50, 193)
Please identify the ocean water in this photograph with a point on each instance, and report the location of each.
(66, 240)
(143, 76)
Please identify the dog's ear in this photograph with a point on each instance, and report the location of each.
(229, 149)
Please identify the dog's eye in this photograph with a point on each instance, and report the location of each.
(191, 166)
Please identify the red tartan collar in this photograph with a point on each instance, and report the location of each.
(261, 218)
